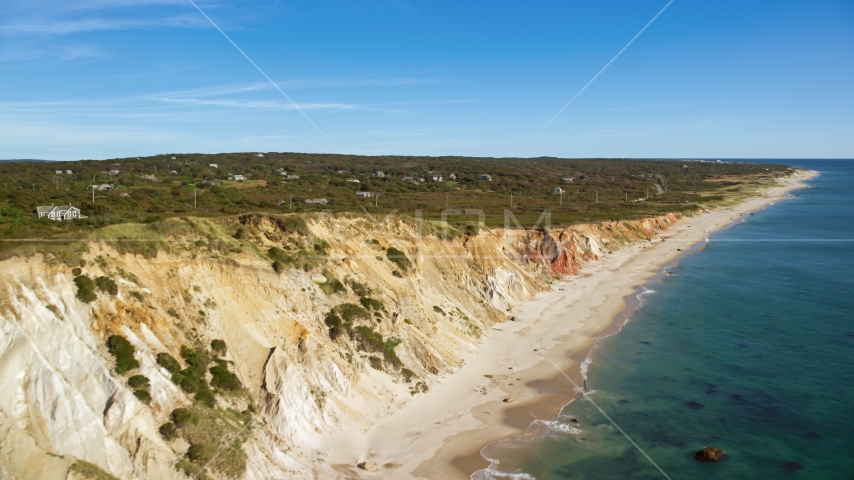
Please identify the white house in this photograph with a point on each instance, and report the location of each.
(59, 172)
(69, 172)
(436, 178)
(213, 165)
(101, 187)
(485, 177)
(149, 177)
(239, 178)
(292, 177)
(452, 177)
(320, 201)
(379, 173)
(364, 194)
(260, 155)
(65, 212)
(113, 172)
(568, 179)
(353, 180)
(557, 191)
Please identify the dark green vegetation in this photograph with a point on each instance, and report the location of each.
(137, 200)
(342, 320)
(210, 431)
(89, 471)
(107, 285)
(398, 258)
(120, 348)
(85, 289)
(207, 429)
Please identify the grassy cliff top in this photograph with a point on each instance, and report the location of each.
(153, 189)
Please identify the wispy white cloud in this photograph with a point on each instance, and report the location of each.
(653, 105)
(53, 26)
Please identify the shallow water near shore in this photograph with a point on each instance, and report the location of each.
(748, 346)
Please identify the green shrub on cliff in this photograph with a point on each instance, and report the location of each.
(369, 340)
(107, 285)
(224, 379)
(139, 381)
(120, 348)
(398, 258)
(85, 289)
(169, 363)
(218, 347)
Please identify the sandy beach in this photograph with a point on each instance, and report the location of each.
(512, 380)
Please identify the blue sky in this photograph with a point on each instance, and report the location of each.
(726, 78)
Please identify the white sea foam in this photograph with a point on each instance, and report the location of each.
(537, 430)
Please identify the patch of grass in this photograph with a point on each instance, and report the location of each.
(438, 309)
(90, 471)
(218, 347)
(372, 304)
(143, 395)
(398, 258)
(168, 431)
(301, 259)
(85, 289)
(136, 295)
(332, 284)
(407, 374)
(120, 348)
(169, 363)
(211, 430)
(359, 289)
(224, 379)
(139, 381)
(192, 470)
(107, 285)
(369, 340)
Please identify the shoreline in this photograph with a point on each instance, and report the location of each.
(511, 379)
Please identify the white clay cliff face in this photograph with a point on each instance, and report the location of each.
(62, 401)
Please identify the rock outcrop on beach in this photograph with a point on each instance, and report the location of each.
(64, 406)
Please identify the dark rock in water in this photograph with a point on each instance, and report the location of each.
(812, 435)
(792, 466)
(573, 420)
(735, 396)
(710, 454)
(695, 405)
(622, 401)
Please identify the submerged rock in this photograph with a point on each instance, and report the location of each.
(710, 454)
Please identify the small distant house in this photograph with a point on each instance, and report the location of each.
(113, 172)
(69, 172)
(125, 195)
(59, 172)
(149, 177)
(292, 177)
(339, 171)
(319, 201)
(101, 187)
(239, 178)
(353, 180)
(436, 178)
(260, 155)
(485, 177)
(213, 165)
(212, 182)
(684, 167)
(364, 194)
(379, 173)
(557, 191)
(66, 212)
(568, 179)
(452, 177)
(408, 179)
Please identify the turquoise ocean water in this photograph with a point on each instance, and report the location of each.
(748, 347)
